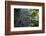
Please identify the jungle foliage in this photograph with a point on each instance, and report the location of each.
(26, 17)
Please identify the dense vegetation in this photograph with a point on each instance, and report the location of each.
(26, 17)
